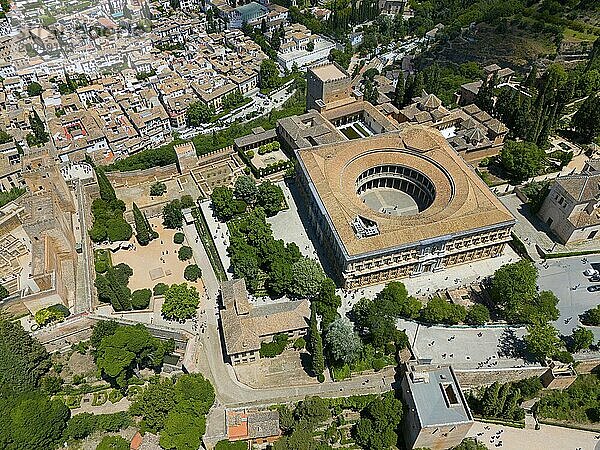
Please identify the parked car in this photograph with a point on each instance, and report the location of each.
(590, 272)
(595, 278)
(593, 288)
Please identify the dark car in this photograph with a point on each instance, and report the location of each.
(595, 278)
(594, 288)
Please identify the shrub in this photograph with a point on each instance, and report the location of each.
(178, 238)
(564, 357)
(321, 378)
(184, 253)
(192, 272)
(99, 398)
(114, 395)
(113, 443)
(51, 384)
(250, 154)
(379, 364)
(158, 189)
(300, 343)
(100, 266)
(160, 289)
(73, 401)
(140, 299)
(274, 348)
(477, 315)
(133, 391)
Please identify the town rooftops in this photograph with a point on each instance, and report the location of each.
(242, 425)
(251, 11)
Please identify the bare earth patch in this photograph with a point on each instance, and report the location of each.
(282, 371)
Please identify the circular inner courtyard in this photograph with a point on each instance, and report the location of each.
(395, 190)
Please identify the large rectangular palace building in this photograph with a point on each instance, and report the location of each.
(399, 204)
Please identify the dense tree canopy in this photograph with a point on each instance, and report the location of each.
(542, 341)
(581, 339)
(127, 350)
(23, 360)
(180, 302)
(198, 113)
(270, 198)
(113, 443)
(376, 430)
(176, 409)
(172, 215)
(522, 160)
(586, 120)
(268, 77)
(307, 276)
(514, 292)
(245, 189)
(31, 420)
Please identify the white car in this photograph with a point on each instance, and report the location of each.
(590, 272)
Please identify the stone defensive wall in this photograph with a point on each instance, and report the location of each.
(134, 177)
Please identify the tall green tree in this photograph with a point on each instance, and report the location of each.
(512, 285)
(31, 421)
(141, 227)
(586, 120)
(172, 214)
(181, 302)
(542, 341)
(198, 113)
(522, 160)
(245, 189)
(307, 278)
(399, 91)
(316, 346)
(270, 197)
(342, 342)
(268, 76)
(127, 350)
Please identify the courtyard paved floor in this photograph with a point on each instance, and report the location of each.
(546, 438)
(288, 225)
(158, 257)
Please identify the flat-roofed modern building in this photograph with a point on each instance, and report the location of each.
(398, 204)
(438, 416)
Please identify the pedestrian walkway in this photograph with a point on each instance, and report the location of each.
(548, 437)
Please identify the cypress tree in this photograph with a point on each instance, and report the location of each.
(141, 228)
(316, 346)
(107, 193)
(399, 91)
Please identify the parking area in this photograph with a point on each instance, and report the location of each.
(565, 278)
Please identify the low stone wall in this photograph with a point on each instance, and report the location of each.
(142, 176)
(484, 377)
(587, 365)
